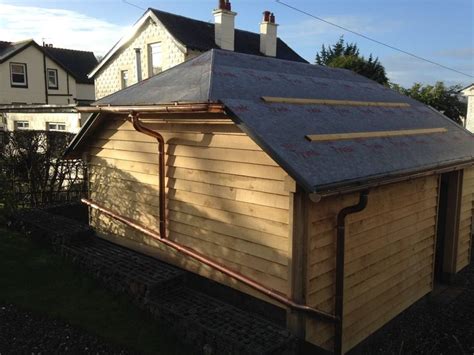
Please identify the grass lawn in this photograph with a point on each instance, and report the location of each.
(34, 278)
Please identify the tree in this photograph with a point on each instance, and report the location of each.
(347, 56)
(442, 98)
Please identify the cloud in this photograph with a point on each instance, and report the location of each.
(62, 28)
(405, 70)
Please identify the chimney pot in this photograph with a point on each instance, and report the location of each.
(266, 16)
(272, 18)
(224, 22)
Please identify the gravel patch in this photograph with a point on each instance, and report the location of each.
(22, 332)
(442, 323)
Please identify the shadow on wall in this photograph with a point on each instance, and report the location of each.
(240, 240)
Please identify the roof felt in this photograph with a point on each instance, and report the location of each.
(199, 35)
(239, 81)
(79, 63)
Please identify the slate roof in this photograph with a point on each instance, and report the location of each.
(9, 48)
(199, 35)
(77, 63)
(239, 81)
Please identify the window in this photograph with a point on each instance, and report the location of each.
(52, 78)
(18, 76)
(55, 126)
(22, 124)
(155, 58)
(124, 78)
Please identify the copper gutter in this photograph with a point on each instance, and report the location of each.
(133, 116)
(168, 108)
(340, 256)
(273, 294)
(336, 191)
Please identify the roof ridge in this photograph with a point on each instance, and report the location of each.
(197, 20)
(68, 49)
(176, 15)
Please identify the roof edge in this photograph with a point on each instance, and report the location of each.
(129, 36)
(357, 186)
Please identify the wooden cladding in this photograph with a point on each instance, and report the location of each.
(389, 258)
(301, 101)
(226, 198)
(375, 134)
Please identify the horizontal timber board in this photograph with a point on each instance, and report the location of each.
(244, 208)
(357, 297)
(392, 211)
(396, 262)
(193, 139)
(255, 197)
(381, 197)
(229, 255)
(399, 306)
(224, 154)
(412, 247)
(223, 179)
(276, 228)
(376, 227)
(264, 252)
(102, 174)
(244, 169)
(249, 235)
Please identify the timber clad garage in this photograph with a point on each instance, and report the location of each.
(312, 188)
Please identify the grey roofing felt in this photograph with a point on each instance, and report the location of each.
(239, 81)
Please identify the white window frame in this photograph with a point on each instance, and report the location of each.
(153, 70)
(22, 125)
(124, 81)
(55, 72)
(56, 126)
(24, 83)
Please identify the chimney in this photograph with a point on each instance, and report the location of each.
(224, 25)
(268, 34)
(138, 64)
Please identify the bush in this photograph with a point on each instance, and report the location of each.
(33, 173)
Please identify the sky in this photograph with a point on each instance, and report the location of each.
(440, 30)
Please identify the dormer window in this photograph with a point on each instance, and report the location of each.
(52, 79)
(155, 58)
(18, 76)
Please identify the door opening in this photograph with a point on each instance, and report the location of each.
(449, 201)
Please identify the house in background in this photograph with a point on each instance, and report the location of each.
(41, 85)
(468, 92)
(161, 40)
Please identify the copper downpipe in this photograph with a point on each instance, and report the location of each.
(275, 295)
(133, 116)
(340, 256)
(162, 236)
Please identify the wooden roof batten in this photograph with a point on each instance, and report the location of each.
(306, 101)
